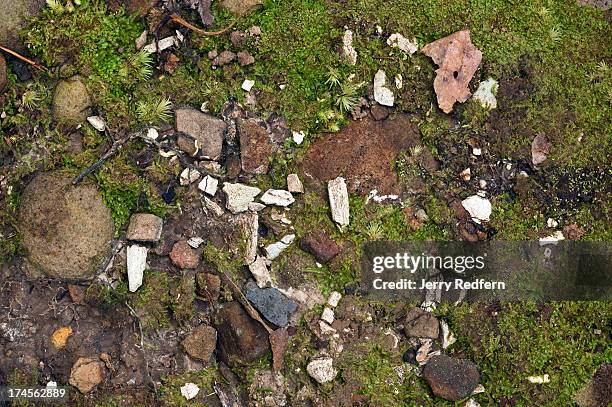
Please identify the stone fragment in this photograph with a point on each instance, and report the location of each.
(247, 85)
(249, 223)
(189, 390)
(322, 370)
(450, 378)
(334, 299)
(161, 45)
(206, 129)
(382, 94)
(187, 144)
(208, 185)
(245, 59)
(540, 147)
(277, 197)
(256, 206)
(184, 256)
(97, 122)
(241, 339)
(478, 207)
(145, 227)
(347, 47)
(294, 185)
(238, 196)
(328, 315)
(136, 264)
(485, 94)
(553, 238)
(339, 201)
(320, 245)
(298, 137)
(201, 342)
(67, 230)
(457, 59)
(272, 304)
(224, 58)
(71, 102)
(141, 41)
(214, 207)
(60, 336)
(87, 373)
(255, 146)
(397, 40)
(189, 176)
(421, 324)
(240, 7)
(275, 249)
(542, 379)
(260, 272)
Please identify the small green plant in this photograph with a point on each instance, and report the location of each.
(30, 99)
(153, 112)
(348, 97)
(333, 78)
(142, 63)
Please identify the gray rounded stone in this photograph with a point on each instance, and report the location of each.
(67, 230)
(71, 101)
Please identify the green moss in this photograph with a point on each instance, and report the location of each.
(153, 300)
(529, 339)
(513, 221)
(170, 390)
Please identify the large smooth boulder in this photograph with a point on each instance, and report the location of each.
(67, 230)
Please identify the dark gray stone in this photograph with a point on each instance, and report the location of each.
(274, 305)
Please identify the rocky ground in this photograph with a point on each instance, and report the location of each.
(186, 188)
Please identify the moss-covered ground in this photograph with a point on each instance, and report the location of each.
(560, 52)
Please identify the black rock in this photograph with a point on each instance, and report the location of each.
(410, 356)
(274, 305)
(169, 195)
(451, 378)
(22, 71)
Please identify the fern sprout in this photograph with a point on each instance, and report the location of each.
(416, 151)
(56, 6)
(374, 231)
(348, 97)
(154, 111)
(333, 78)
(30, 99)
(142, 64)
(555, 34)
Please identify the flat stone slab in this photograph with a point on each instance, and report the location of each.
(274, 305)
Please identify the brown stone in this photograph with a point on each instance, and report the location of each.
(224, 58)
(144, 227)
(86, 374)
(451, 378)
(71, 102)
(457, 59)
(255, 146)
(540, 147)
(241, 339)
(244, 58)
(184, 256)
(379, 112)
(201, 342)
(421, 324)
(14, 16)
(364, 152)
(320, 245)
(140, 7)
(238, 38)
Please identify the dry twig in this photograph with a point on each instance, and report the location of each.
(179, 20)
(24, 59)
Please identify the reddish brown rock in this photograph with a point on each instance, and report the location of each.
(379, 112)
(184, 256)
(450, 378)
(144, 227)
(224, 58)
(255, 146)
(241, 339)
(364, 153)
(457, 59)
(540, 147)
(320, 245)
(244, 58)
(238, 38)
(421, 324)
(201, 342)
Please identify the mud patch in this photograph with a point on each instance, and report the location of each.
(364, 152)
